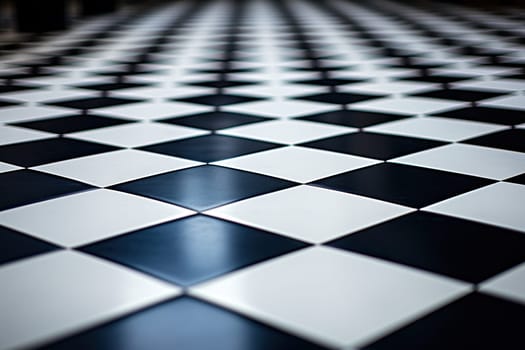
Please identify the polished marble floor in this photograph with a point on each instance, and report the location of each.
(260, 174)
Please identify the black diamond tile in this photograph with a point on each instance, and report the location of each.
(193, 249)
(403, 184)
(7, 103)
(112, 86)
(15, 245)
(23, 187)
(93, 102)
(126, 73)
(39, 152)
(14, 88)
(328, 81)
(487, 115)
(318, 69)
(515, 76)
(440, 244)
(203, 187)
(210, 148)
(520, 179)
(221, 83)
(74, 123)
(459, 94)
(511, 139)
(218, 100)
(341, 98)
(476, 321)
(215, 120)
(224, 70)
(183, 323)
(28, 75)
(444, 79)
(353, 118)
(373, 145)
(416, 65)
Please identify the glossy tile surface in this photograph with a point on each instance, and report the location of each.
(210, 148)
(264, 174)
(203, 187)
(194, 249)
(224, 329)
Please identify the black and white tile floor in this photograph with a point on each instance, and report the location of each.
(265, 175)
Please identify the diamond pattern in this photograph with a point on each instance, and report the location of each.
(263, 175)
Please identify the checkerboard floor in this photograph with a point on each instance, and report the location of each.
(265, 175)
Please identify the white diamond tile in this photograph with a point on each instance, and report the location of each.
(297, 163)
(280, 109)
(26, 113)
(362, 297)
(89, 216)
(498, 204)
(53, 295)
(5, 167)
(435, 128)
(470, 160)
(310, 213)
(393, 87)
(153, 110)
(512, 102)
(13, 134)
(509, 284)
(408, 105)
(110, 168)
(137, 134)
(287, 131)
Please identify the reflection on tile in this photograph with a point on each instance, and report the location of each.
(166, 325)
(210, 148)
(193, 249)
(203, 187)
